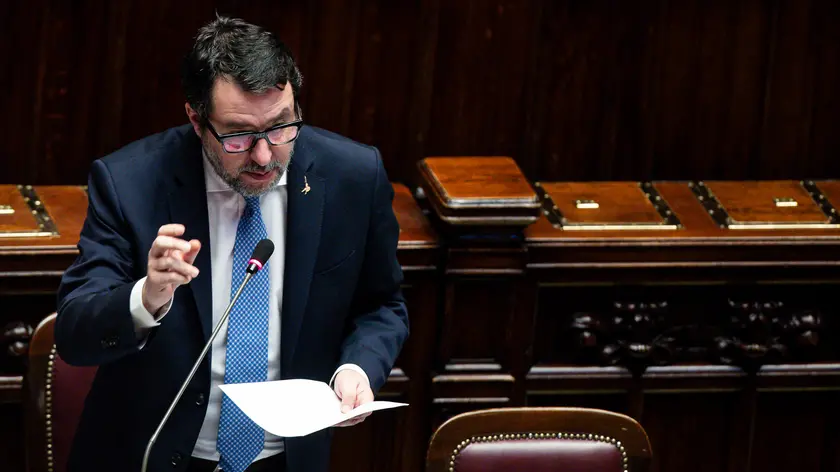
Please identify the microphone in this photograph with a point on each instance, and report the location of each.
(263, 250)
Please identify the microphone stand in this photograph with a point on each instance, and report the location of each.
(201, 356)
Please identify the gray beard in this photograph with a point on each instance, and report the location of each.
(235, 183)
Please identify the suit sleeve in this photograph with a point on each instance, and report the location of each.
(379, 318)
(94, 324)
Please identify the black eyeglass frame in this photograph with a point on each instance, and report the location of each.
(257, 135)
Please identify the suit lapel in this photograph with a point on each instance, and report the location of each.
(188, 206)
(303, 234)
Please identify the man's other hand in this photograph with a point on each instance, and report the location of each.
(170, 265)
(353, 390)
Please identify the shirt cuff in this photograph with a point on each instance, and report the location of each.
(350, 367)
(143, 320)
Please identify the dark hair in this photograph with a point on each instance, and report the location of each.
(247, 54)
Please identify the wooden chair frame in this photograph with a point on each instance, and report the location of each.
(42, 455)
(526, 423)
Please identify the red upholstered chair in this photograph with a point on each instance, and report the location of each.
(539, 440)
(54, 396)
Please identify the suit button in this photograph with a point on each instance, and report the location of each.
(105, 344)
(176, 459)
(199, 400)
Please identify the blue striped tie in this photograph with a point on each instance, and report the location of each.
(240, 440)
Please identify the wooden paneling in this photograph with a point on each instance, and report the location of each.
(796, 430)
(596, 90)
(12, 437)
(700, 413)
(691, 432)
(377, 444)
(711, 334)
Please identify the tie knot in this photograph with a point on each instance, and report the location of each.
(252, 204)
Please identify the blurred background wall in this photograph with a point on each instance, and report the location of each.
(573, 90)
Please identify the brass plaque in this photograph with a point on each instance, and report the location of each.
(603, 206)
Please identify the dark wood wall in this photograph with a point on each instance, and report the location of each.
(574, 90)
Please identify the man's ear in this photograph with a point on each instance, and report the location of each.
(194, 120)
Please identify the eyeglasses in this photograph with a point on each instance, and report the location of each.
(284, 133)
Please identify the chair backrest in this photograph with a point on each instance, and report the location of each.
(54, 397)
(539, 439)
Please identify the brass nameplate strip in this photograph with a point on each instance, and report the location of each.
(548, 208)
(721, 217)
(587, 204)
(669, 219)
(669, 222)
(46, 225)
(736, 226)
(710, 203)
(820, 199)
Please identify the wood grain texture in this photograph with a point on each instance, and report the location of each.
(754, 202)
(466, 181)
(618, 202)
(749, 200)
(573, 91)
(478, 192)
(415, 230)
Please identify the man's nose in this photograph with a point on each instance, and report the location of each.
(261, 154)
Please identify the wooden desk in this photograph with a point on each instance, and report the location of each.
(39, 229)
(706, 310)
(722, 341)
(726, 322)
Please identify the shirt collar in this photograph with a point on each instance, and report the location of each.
(214, 182)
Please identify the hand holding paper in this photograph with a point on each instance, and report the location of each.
(354, 391)
(291, 408)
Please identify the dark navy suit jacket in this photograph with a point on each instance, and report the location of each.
(341, 299)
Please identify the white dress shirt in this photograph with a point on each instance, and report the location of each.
(225, 206)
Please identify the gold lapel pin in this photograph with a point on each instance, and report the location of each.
(306, 187)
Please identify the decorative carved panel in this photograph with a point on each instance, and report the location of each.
(742, 326)
(14, 339)
(759, 333)
(634, 335)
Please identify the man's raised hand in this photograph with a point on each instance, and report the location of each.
(170, 265)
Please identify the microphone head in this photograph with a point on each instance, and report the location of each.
(263, 250)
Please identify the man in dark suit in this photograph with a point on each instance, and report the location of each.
(172, 219)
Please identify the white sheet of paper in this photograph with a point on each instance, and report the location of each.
(296, 407)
